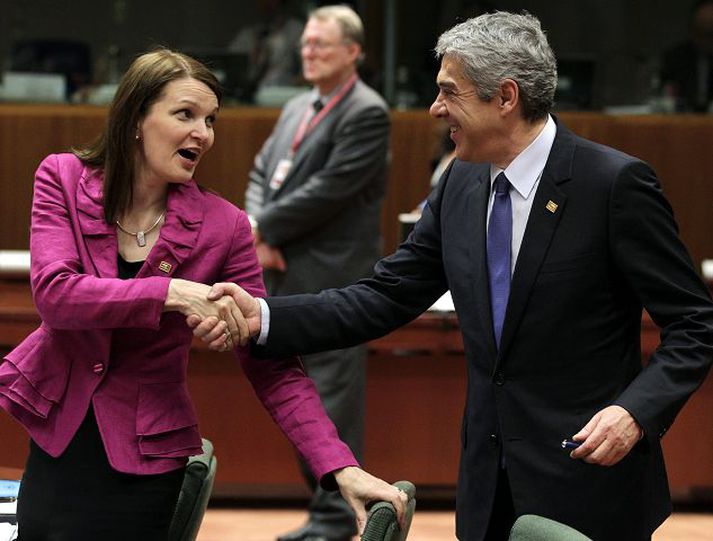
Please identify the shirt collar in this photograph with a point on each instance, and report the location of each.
(324, 99)
(525, 170)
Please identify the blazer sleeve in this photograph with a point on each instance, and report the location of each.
(66, 297)
(359, 152)
(657, 267)
(403, 286)
(281, 384)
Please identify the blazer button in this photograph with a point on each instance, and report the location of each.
(499, 378)
(493, 439)
(98, 369)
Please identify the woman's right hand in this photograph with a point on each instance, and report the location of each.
(191, 299)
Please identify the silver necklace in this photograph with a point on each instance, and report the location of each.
(141, 235)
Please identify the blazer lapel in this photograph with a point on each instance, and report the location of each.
(305, 148)
(184, 218)
(179, 233)
(99, 237)
(312, 137)
(284, 143)
(547, 208)
(477, 211)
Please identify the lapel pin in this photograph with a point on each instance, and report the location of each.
(165, 266)
(551, 206)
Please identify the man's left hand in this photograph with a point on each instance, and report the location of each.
(607, 437)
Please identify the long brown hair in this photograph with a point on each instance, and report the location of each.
(114, 150)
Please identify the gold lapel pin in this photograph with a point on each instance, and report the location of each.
(165, 266)
(551, 206)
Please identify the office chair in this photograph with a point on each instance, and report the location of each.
(381, 523)
(537, 528)
(195, 492)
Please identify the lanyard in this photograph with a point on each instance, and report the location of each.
(307, 124)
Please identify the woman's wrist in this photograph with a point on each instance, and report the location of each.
(175, 301)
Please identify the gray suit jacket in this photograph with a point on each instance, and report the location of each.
(325, 216)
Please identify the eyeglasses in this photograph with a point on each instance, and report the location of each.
(319, 45)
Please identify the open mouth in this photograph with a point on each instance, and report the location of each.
(188, 154)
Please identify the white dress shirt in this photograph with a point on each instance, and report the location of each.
(524, 174)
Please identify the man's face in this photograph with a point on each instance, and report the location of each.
(475, 124)
(327, 58)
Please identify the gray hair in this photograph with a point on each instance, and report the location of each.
(347, 19)
(501, 45)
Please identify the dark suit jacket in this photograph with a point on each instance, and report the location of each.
(326, 215)
(571, 338)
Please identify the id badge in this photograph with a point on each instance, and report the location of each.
(281, 172)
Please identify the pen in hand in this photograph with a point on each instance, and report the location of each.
(570, 444)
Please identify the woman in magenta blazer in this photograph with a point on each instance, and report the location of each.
(122, 242)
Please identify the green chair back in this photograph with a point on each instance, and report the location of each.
(382, 525)
(537, 528)
(194, 496)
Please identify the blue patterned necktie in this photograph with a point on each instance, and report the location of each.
(499, 252)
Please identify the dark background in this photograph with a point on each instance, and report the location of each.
(622, 38)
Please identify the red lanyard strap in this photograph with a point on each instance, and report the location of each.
(307, 124)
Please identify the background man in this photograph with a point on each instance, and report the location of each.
(315, 193)
(551, 246)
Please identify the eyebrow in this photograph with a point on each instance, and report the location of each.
(195, 103)
(447, 84)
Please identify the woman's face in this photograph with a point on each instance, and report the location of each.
(176, 131)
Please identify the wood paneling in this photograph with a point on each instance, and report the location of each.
(678, 147)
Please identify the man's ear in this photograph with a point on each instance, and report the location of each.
(354, 51)
(509, 96)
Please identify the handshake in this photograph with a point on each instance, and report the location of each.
(224, 316)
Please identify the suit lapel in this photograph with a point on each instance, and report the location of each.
(547, 208)
(477, 211)
(99, 237)
(178, 235)
(312, 137)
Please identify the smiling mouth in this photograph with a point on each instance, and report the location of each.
(188, 154)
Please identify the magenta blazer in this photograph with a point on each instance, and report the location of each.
(107, 341)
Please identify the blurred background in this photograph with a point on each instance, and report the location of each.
(609, 51)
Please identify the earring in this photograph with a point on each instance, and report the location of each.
(137, 137)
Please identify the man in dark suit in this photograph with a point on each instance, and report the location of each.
(315, 195)
(551, 246)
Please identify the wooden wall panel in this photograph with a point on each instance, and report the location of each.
(678, 147)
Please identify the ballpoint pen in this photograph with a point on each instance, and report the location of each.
(570, 444)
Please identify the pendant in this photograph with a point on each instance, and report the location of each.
(141, 239)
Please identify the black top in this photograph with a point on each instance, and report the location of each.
(128, 269)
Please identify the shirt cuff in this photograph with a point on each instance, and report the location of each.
(264, 322)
